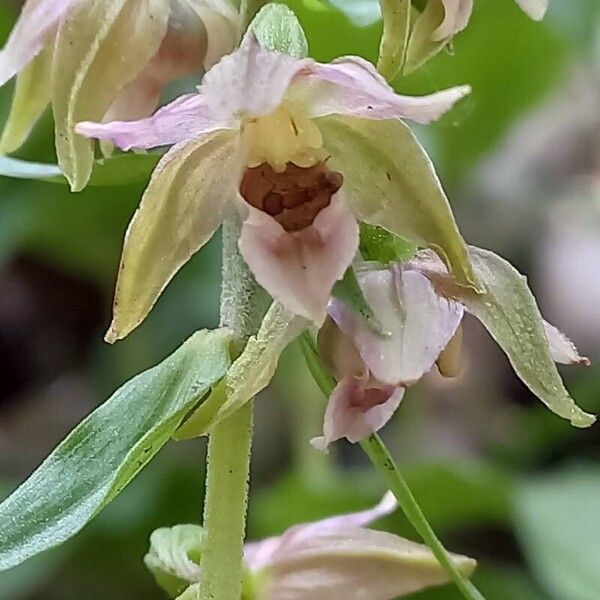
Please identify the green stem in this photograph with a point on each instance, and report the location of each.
(230, 441)
(382, 460)
(375, 449)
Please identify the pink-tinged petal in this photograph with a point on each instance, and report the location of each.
(30, 34)
(181, 120)
(456, 17)
(251, 81)
(222, 22)
(420, 322)
(358, 564)
(356, 409)
(260, 554)
(299, 269)
(536, 9)
(562, 349)
(351, 86)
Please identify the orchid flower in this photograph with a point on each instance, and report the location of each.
(441, 20)
(421, 307)
(302, 151)
(105, 59)
(329, 559)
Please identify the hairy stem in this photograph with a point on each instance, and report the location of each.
(230, 441)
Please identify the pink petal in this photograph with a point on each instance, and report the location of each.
(181, 120)
(456, 18)
(562, 349)
(299, 269)
(355, 411)
(260, 554)
(351, 86)
(30, 34)
(421, 324)
(251, 81)
(536, 9)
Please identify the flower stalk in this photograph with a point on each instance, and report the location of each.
(230, 441)
(383, 462)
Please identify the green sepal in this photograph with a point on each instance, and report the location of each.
(108, 449)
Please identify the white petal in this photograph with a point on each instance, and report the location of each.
(251, 81)
(536, 9)
(357, 564)
(299, 269)
(351, 86)
(562, 349)
(456, 18)
(421, 324)
(30, 34)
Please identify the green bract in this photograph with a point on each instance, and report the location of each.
(250, 373)
(406, 196)
(382, 246)
(107, 450)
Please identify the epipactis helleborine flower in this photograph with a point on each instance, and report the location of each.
(295, 146)
(337, 557)
(421, 307)
(105, 59)
(441, 20)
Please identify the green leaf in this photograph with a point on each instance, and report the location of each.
(122, 169)
(382, 246)
(277, 28)
(394, 41)
(250, 373)
(349, 291)
(558, 523)
(508, 310)
(174, 557)
(390, 181)
(107, 450)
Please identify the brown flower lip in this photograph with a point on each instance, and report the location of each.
(294, 197)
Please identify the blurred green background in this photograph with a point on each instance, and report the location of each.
(500, 478)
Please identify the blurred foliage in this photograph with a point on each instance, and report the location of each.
(485, 503)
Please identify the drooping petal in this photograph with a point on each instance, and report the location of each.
(100, 48)
(355, 410)
(251, 81)
(456, 17)
(390, 181)
(351, 86)
(420, 323)
(181, 120)
(30, 99)
(223, 26)
(562, 349)
(356, 563)
(30, 34)
(183, 205)
(536, 9)
(299, 269)
(260, 554)
(508, 310)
